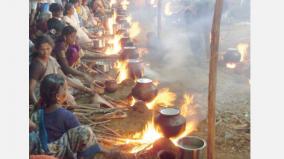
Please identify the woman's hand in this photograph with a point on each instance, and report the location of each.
(88, 78)
(89, 90)
(32, 126)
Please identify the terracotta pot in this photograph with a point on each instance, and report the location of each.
(120, 18)
(124, 41)
(135, 68)
(170, 122)
(144, 90)
(99, 43)
(164, 154)
(129, 53)
(111, 86)
(99, 87)
(232, 56)
(121, 11)
(140, 106)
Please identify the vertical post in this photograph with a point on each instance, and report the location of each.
(159, 25)
(215, 32)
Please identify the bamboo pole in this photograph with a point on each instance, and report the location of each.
(215, 32)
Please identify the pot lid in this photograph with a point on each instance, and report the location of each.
(144, 80)
(129, 47)
(232, 49)
(170, 111)
(133, 61)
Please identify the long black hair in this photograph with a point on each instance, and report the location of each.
(67, 7)
(55, 7)
(65, 32)
(49, 88)
(41, 40)
(68, 30)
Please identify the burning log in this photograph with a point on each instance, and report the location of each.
(113, 115)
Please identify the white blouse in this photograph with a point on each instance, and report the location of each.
(82, 36)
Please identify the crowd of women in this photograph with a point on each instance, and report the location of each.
(59, 32)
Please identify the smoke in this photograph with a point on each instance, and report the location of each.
(179, 59)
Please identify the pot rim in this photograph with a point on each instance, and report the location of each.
(196, 137)
(144, 80)
(232, 49)
(133, 61)
(129, 47)
(170, 111)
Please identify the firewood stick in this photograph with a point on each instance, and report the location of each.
(115, 100)
(103, 132)
(114, 141)
(215, 32)
(99, 99)
(110, 130)
(87, 119)
(101, 122)
(93, 106)
(101, 111)
(105, 74)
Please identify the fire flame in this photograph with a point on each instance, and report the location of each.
(156, 82)
(167, 10)
(243, 50)
(231, 65)
(134, 30)
(122, 69)
(116, 47)
(165, 97)
(129, 19)
(132, 101)
(186, 110)
(110, 25)
(145, 139)
(112, 2)
(124, 4)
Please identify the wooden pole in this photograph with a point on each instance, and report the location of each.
(211, 153)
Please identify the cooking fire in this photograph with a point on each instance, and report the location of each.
(136, 76)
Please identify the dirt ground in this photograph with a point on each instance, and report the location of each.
(233, 96)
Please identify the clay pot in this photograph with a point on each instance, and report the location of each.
(164, 154)
(121, 31)
(144, 90)
(140, 106)
(111, 86)
(135, 68)
(124, 41)
(170, 122)
(121, 11)
(232, 56)
(99, 43)
(129, 53)
(99, 87)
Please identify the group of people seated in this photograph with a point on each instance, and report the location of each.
(57, 42)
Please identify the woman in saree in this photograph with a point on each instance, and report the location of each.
(59, 132)
(68, 53)
(42, 64)
(88, 19)
(84, 36)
